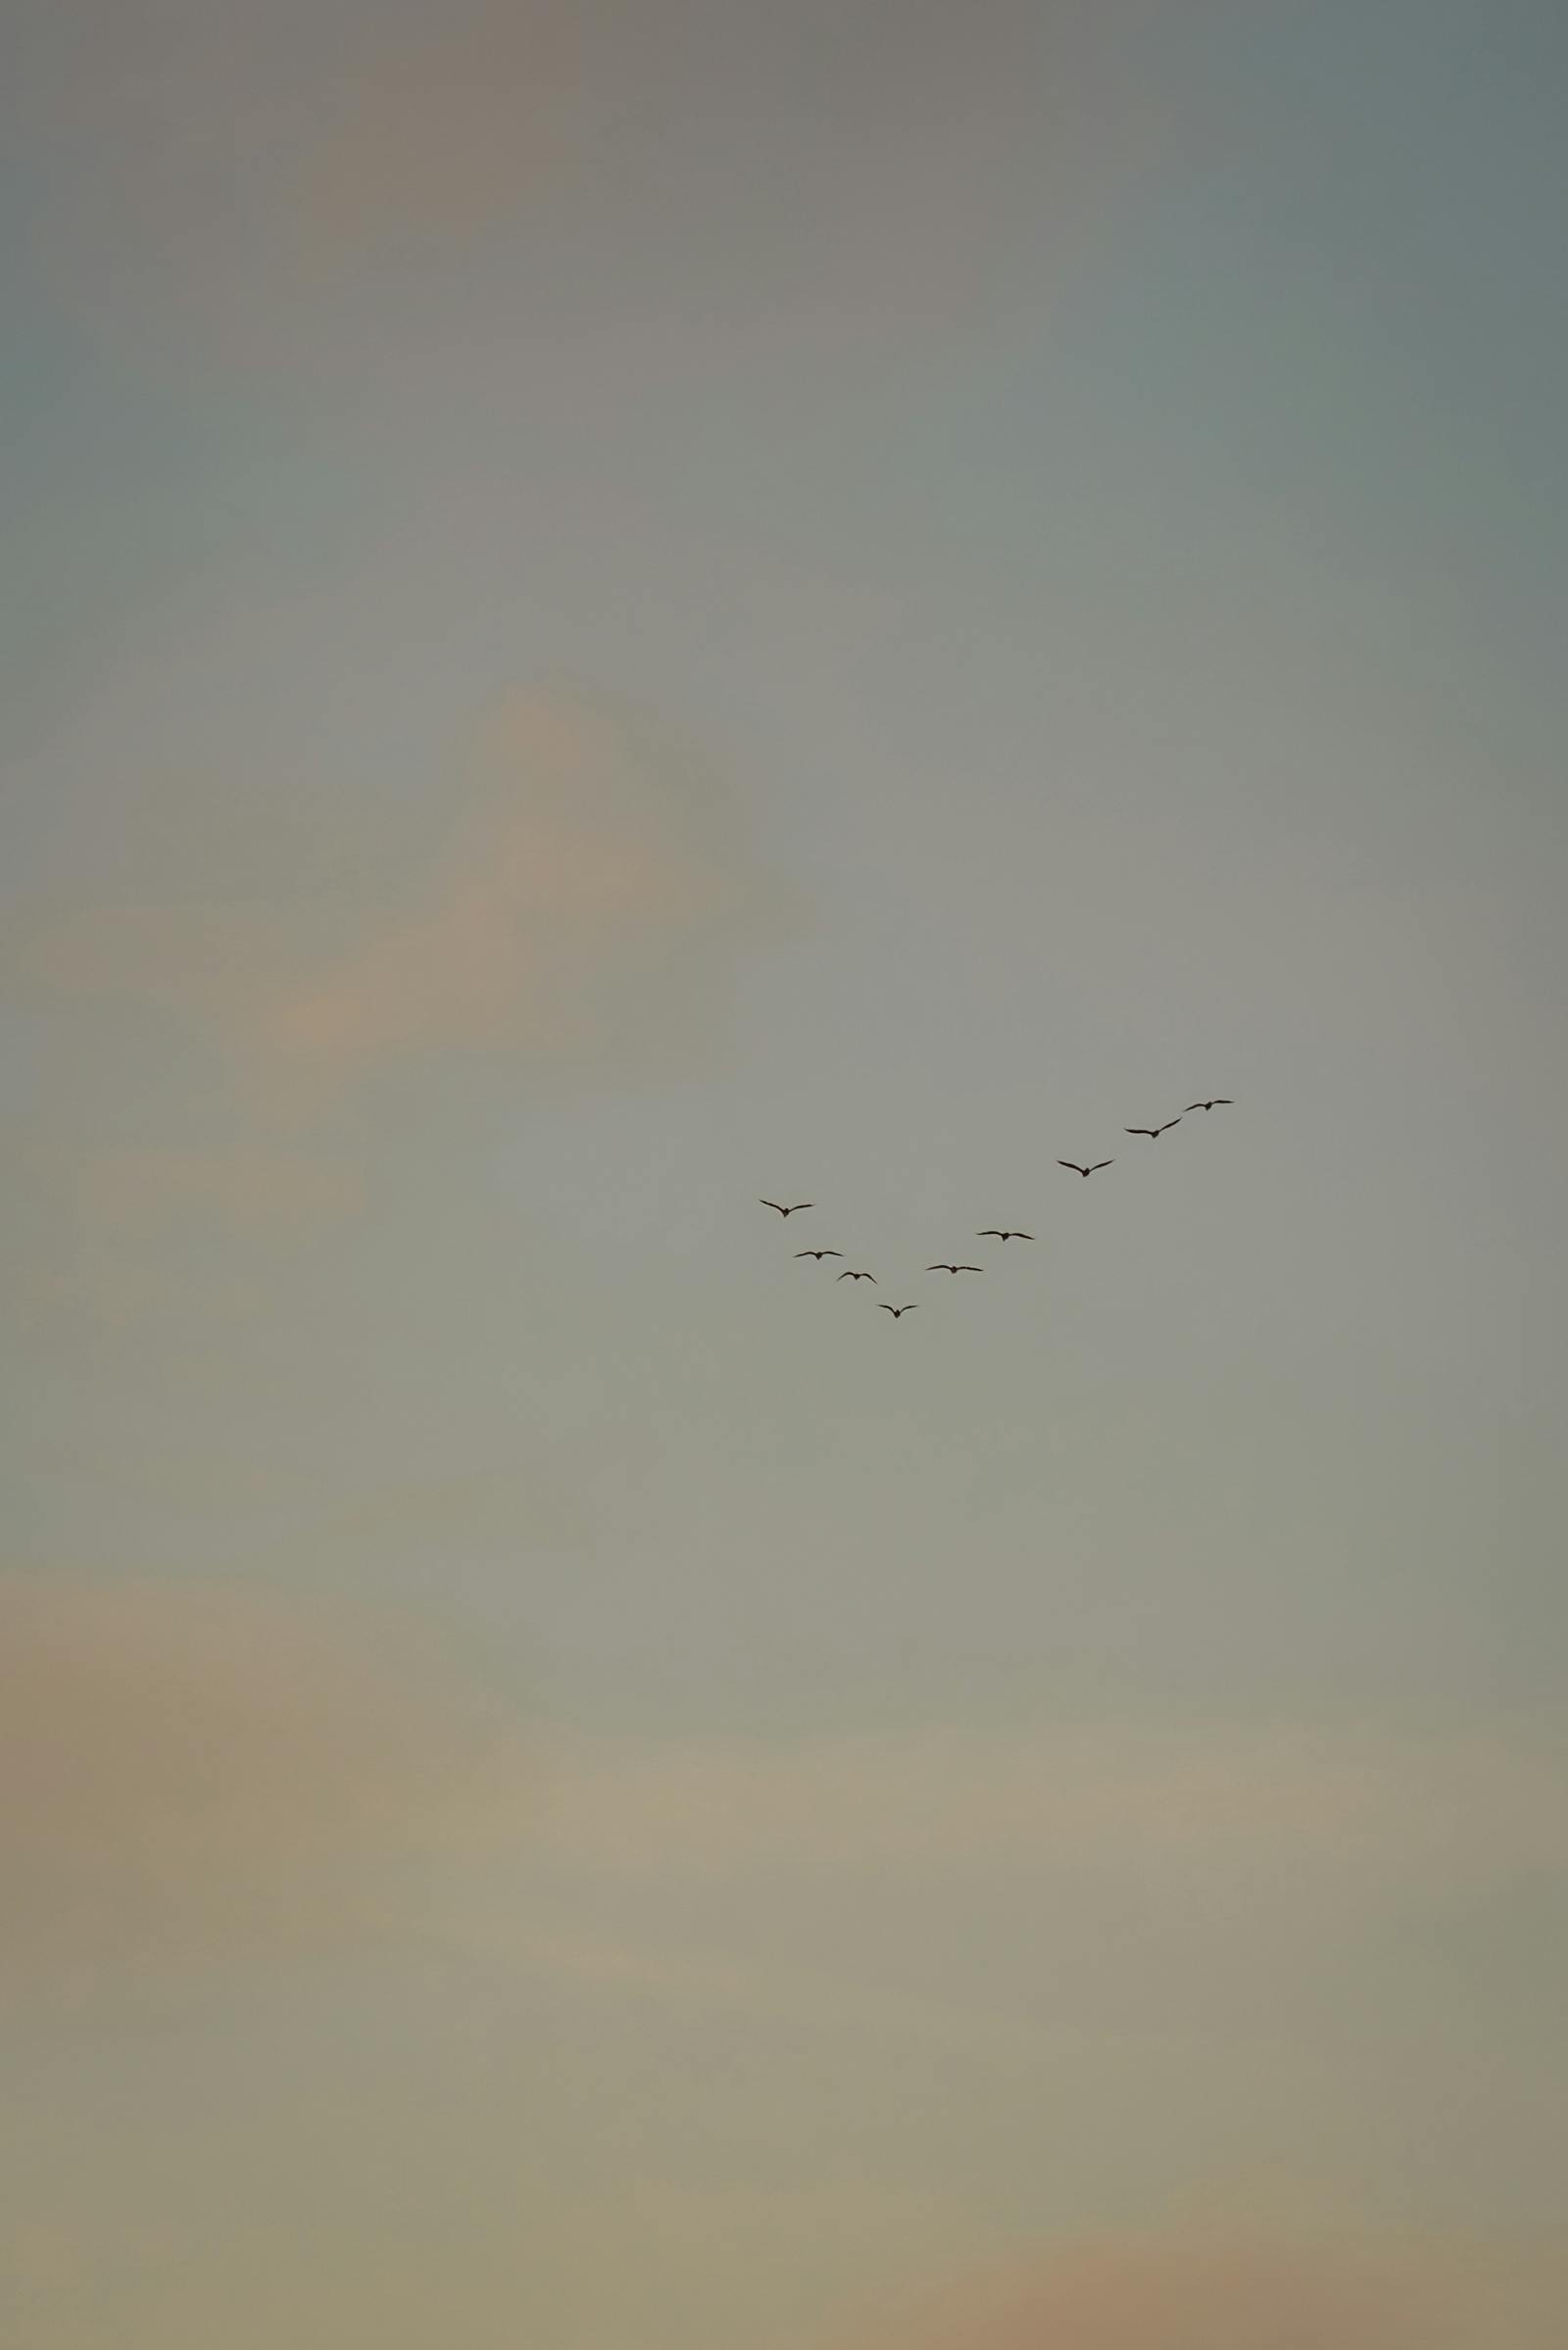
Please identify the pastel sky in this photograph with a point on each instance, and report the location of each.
(613, 608)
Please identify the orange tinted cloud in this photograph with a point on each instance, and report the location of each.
(188, 1768)
(586, 908)
(1208, 1805)
(580, 877)
(255, 1190)
(442, 135)
(1153, 2295)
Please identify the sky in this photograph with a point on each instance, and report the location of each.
(612, 610)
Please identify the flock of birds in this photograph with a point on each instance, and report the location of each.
(992, 1232)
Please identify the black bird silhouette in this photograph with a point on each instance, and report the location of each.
(787, 1212)
(897, 1311)
(871, 1276)
(1093, 1170)
(1153, 1132)
(1220, 1101)
(954, 1268)
(820, 1253)
(992, 1232)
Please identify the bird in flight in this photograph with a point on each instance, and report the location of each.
(1155, 1132)
(992, 1232)
(954, 1268)
(787, 1212)
(897, 1311)
(820, 1253)
(1220, 1101)
(871, 1276)
(1093, 1170)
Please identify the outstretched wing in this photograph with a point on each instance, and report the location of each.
(1073, 1165)
(773, 1203)
(1102, 1162)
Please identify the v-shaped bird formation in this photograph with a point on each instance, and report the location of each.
(1083, 1168)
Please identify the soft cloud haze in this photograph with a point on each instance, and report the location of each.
(193, 1769)
(623, 608)
(1219, 2295)
(587, 900)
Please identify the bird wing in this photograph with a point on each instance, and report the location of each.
(969, 1268)
(830, 1253)
(773, 1203)
(1072, 1164)
(1102, 1162)
(990, 1234)
(885, 1309)
(1223, 1101)
(1197, 1105)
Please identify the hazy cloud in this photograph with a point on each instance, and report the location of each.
(588, 888)
(191, 1768)
(1228, 2295)
(1188, 1799)
(251, 1190)
(584, 910)
(455, 124)
(300, 192)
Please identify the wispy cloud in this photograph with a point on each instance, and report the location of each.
(584, 911)
(1200, 1799)
(440, 138)
(190, 1769)
(581, 875)
(251, 1190)
(1216, 2293)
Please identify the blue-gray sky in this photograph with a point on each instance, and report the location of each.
(613, 609)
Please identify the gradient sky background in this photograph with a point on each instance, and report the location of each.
(614, 607)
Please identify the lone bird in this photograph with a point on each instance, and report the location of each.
(1153, 1132)
(787, 1212)
(954, 1268)
(897, 1311)
(1220, 1101)
(820, 1253)
(1093, 1170)
(992, 1233)
(871, 1276)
